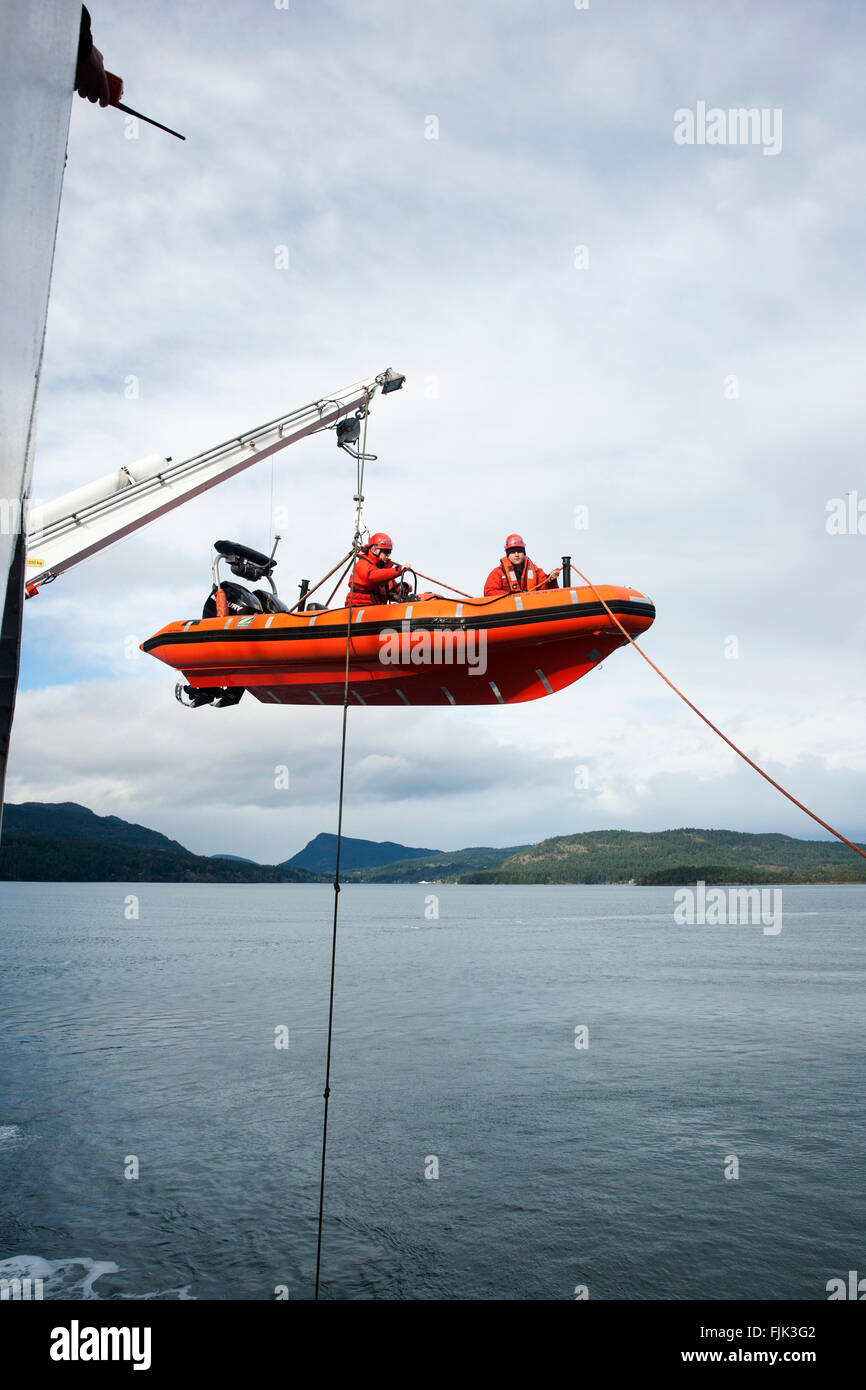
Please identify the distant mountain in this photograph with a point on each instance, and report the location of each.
(320, 855)
(676, 856)
(62, 842)
(442, 867)
(58, 842)
(68, 821)
(38, 858)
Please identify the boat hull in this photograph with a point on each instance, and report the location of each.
(440, 652)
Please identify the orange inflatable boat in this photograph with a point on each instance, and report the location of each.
(435, 652)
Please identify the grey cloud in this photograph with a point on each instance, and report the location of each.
(453, 260)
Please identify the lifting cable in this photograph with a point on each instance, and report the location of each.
(728, 741)
(356, 546)
(355, 551)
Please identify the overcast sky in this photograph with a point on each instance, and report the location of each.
(693, 377)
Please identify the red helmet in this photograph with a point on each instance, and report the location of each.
(514, 543)
(381, 540)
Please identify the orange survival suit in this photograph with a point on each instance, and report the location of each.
(375, 581)
(508, 579)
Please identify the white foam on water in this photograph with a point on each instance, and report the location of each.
(182, 1295)
(75, 1278)
(9, 1134)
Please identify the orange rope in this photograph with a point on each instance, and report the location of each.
(337, 585)
(296, 606)
(743, 755)
(440, 585)
(479, 602)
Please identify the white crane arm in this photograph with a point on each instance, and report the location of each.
(65, 532)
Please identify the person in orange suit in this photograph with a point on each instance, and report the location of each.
(375, 578)
(516, 573)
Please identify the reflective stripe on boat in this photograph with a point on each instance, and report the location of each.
(270, 620)
(458, 611)
(518, 601)
(359, 698)
(201, 632)
(544, 681)
(496, 691)
(573, 593)
(448, 696)
(316, 698)
(402, 697)
(408, 612)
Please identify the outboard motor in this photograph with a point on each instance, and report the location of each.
(249, 564)
(218, 696)
(226, 598)
(238, 600)
(270, 603)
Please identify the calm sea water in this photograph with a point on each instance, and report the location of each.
(153, 1039)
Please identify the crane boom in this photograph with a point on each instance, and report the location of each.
(81, 523)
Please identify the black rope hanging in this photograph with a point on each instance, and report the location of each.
(356, 546)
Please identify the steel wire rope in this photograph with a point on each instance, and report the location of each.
(359, 500)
